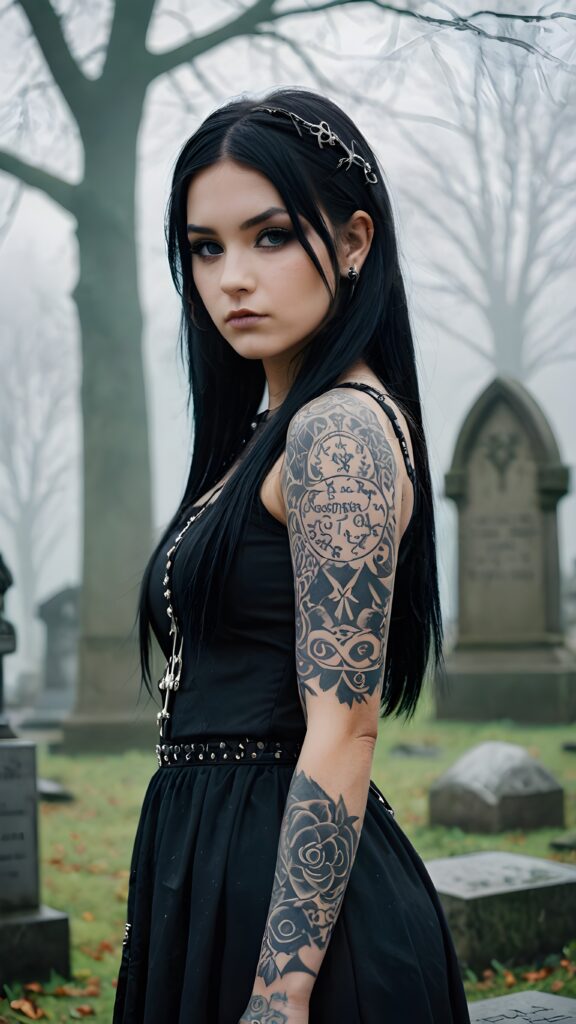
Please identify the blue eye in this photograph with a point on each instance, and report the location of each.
(284, 234)
(195, 249)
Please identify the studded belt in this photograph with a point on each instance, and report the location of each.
(229, 750)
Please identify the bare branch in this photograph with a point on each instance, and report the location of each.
(537, 364)
(242, 25)
(62, 192)
(448, 327)
(47, 29)
(457, 22)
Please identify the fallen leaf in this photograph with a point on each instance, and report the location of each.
(557, 985)
(34, 986)
(533, 976)
(94, 954)
(74, 991)
(27, 1008)
(87, 915)
(509, 979)
(79, 1012)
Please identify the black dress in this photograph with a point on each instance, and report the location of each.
(205, 850)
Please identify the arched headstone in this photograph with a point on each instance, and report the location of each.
(509, 659)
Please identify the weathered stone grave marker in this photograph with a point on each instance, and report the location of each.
(60, 613)
(530, 1007)
(33, 938)
(505, 905)
(509, 659)
(496, 786)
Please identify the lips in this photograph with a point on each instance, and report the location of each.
(237, 314)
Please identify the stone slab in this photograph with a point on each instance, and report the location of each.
(567, 841)
(505, 906)
(32, 944)
(495, 787)
(529, 1007)
(545, 697)
(19, 881)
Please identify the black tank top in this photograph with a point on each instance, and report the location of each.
(244, 681)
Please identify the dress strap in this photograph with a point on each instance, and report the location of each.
(394, 420)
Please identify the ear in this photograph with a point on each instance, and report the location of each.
(355, 239)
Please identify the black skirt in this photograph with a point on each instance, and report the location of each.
(200, 885)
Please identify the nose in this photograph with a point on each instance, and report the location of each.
(236, 272)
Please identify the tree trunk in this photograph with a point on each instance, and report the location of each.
(117, 479)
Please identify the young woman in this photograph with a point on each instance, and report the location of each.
(294, 595)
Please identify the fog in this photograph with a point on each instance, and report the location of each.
(389, 96)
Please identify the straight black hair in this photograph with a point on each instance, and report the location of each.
(225, 390)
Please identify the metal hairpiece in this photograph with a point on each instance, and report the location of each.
(326, 136)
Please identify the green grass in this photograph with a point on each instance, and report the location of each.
(86, 846)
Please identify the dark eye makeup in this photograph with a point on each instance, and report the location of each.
(285, 234)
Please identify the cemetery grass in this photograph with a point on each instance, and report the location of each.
(86, 846)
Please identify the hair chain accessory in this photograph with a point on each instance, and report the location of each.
(326, 136)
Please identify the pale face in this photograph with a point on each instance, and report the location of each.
(261, 267)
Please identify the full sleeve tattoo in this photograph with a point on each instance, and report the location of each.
(341, 491)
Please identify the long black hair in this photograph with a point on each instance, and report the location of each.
(225, 390)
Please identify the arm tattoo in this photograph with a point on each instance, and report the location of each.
(316, 851)
(339, 481)
(261, 1011)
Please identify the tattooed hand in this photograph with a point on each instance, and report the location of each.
(276, 1009)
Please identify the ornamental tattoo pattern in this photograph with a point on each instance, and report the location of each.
(316, 851)
(339, 483)
(261, 1011)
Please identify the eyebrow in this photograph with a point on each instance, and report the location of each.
(197, 228)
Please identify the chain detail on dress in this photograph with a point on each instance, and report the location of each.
(170, 680)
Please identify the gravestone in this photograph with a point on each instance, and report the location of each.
(7, 646)
(34, 939)
(60, 613)
(505, 906)
(494, 787)
(509, 659)
(527, 1007)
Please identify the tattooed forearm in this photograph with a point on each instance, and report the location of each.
(339, 483)
(317, 847)
(261, 1010)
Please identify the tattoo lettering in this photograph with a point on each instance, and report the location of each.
(261, 1011)
(316, 851)
(339, 481)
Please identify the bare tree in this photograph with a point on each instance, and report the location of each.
(106, 109)
(38, 452)
(498, 197)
